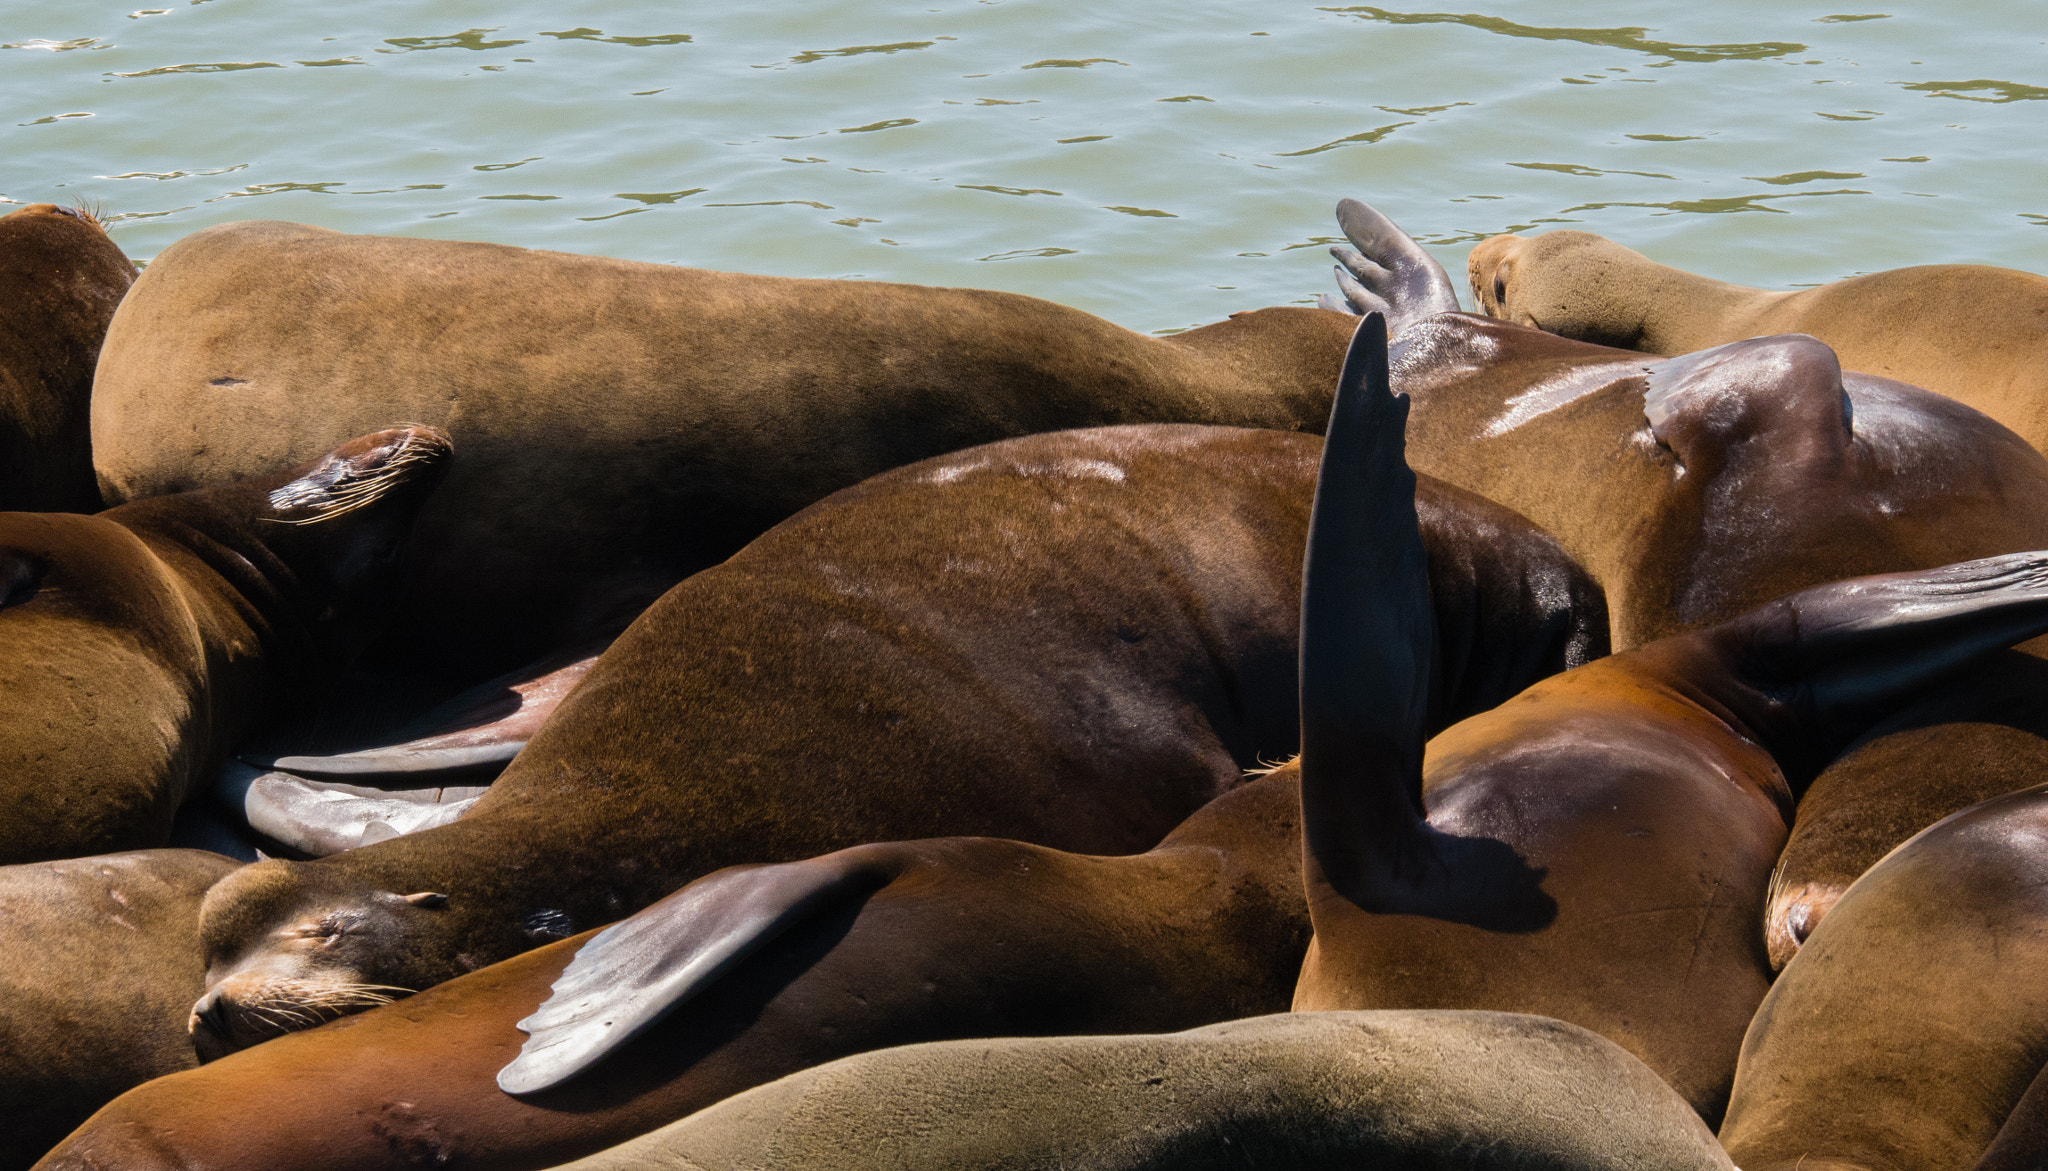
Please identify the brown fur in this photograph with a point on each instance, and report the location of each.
(621, 425)
(60, 279)
(1914, 1020)
(143, 643)
(971, 938)
(1073, 639)
(1975, 333)
(99, 964)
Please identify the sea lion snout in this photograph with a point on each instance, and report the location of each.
(1793, 914)
(1489, 270)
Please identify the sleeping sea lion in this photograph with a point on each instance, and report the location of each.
(1074, 640)
(144, 642)
(1597, 848)
(793, 965)
(1692, 488)
(1975, 333)
(60, 278)
(1908, 1030)
(621, 425)
(1431, 1091)
(99, 962)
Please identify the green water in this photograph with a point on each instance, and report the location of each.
(1160, 164)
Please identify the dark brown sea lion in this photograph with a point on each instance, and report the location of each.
(1698, 487)
(60, 278)
(99, 961)
(143, 643)
(1597, 848)
(890, 944)
(1074, 640)
(1976, 333)
(622, 425)
(1909, 1028)
(1428, 1091)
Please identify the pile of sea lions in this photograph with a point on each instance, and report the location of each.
(464, 706)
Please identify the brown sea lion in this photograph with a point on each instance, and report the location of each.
(1975, 333)
(60, 278)
(1597, 848)
(1431, 1091)
(1074, 640)
(877, 945)
(1909, 1028)
(622, 425)
(142, 643)
(99, 962)
(1698, 487)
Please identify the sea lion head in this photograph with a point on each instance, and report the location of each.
(289, 945)
(1573, 284)
(1791, 915)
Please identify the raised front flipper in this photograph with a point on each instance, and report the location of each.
(1388, 272)
(634, 972)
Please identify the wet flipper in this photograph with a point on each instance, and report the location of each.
(1387, 272)
(319, 819)
(634, 972)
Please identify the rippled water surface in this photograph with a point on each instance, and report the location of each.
(1159, 164)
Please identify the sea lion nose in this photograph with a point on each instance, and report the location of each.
(209, 1011)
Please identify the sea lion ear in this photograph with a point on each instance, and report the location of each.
(1783, 390)
(359, 473)
(430, 900)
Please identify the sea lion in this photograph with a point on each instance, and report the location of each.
(1074, 640)
(143, 642)
(887, 945)
(1909, 1028)
(621, 425)
(1597, 848)
(1434, 1091)
(99, 962)
(1946, 751)
(1699, 487)
(1970, 331)
(60, 279)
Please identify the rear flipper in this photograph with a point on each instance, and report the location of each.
(320, 819)
(1387, 273)
(471, 737)
(1786, 391)
(634, 972)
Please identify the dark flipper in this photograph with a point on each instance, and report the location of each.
(634, 972)
(1367, 633)
(1388, 272)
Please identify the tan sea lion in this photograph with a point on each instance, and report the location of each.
(1433, 1091)
(1597, 848)
(874, 946)
(1693, 488)
(1074, 640)
(144, 642)
(99, 962)
(1975, 333)
(621, 425)
(60, 279)
(1908, 1030)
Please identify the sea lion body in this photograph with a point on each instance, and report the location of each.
(960, 937)
(1074, 640)
(1915, 1018)
(142, 643)
(1976, 333)
(621, 425)
(1318, 1092)
(60, 279)
(99, 962)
